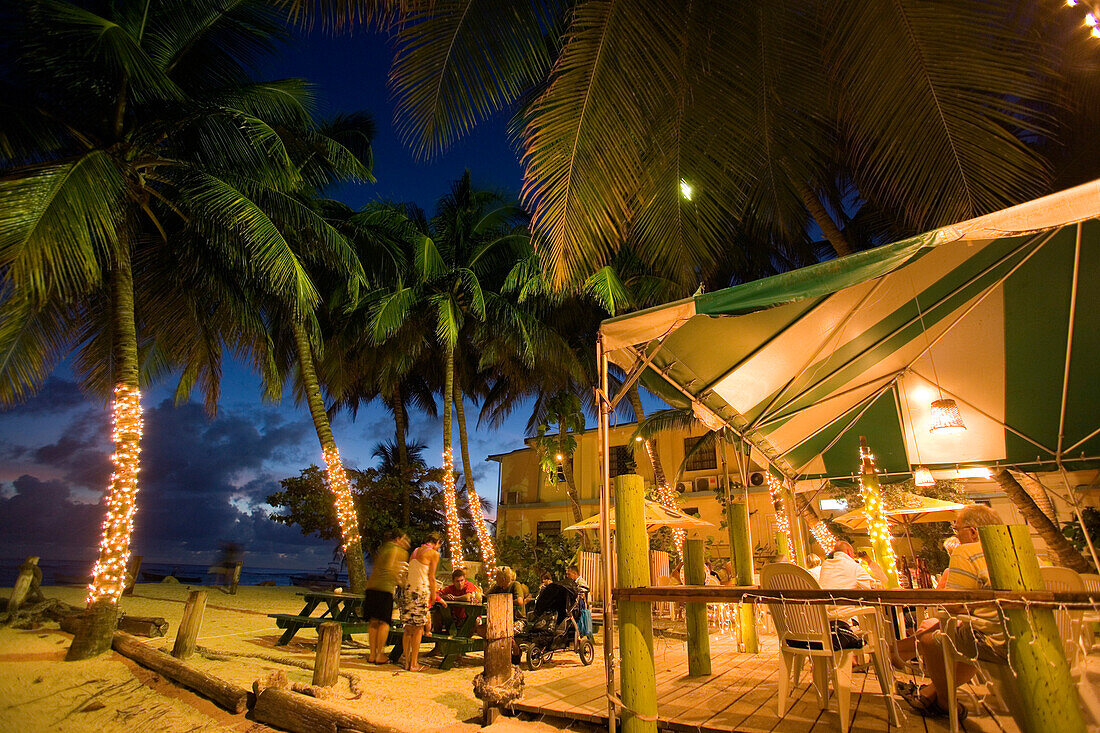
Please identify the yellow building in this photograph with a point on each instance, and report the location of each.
(530, 503)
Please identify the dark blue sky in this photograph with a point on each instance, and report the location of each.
(204, 480)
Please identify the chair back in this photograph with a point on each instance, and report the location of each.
(799, 626)
(1069, 622)
(1091, 581)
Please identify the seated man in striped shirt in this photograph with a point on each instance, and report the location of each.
(980, 634)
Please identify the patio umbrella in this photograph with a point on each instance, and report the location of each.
(906, 509)
(655, 516)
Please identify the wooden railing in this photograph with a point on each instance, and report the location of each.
(734, 594)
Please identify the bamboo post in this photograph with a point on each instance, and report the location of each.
(188, 632)
(1047, 697)
(28, 571)
(698, 641)
(498, 648)
(794, 519)
(235, 577)
(638, 680)
(326, 660)
(741, 548)
(132, 569)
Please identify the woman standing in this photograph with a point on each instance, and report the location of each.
(419, 591)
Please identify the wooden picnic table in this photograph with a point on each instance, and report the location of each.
(342, 608)
(453, 645)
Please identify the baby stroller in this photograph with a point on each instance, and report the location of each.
(552, 627)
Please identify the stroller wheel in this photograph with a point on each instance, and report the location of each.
(586, 652)
(535, 657)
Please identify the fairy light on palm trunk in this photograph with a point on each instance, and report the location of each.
(450, 508)
(109, 576)
(338, 484)
(667, 499)
(488, 553)
(877, 526)
(782, 523)
(826, 539)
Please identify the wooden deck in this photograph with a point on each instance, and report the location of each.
(739, 696)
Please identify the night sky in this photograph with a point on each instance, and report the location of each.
(206, 480)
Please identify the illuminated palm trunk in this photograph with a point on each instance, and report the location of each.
(337, 476)
(450, 506)
(877, 527)
(109, 575)
(488, 552)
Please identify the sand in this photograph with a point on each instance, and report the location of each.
(39, 691)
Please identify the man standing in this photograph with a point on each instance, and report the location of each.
(390, 564)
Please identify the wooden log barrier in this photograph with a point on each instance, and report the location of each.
(132, 569)
(299, 713)
(698, 632)
(326, 661)
(742, 563)
(188, 632)
(229, 696)
(498, 649)
(147, 626)
(638, 679)
(26, 585)
(1047, 697)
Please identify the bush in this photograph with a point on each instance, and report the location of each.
(552, 554)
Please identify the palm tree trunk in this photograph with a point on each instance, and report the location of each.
(813, 204)
(1056, 542)
(337, 475)
(450, 503)
(401, 423)
(571, 492)
(101, 616)
(650, 446)
(488, 554)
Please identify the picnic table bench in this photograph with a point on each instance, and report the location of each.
(344, 609)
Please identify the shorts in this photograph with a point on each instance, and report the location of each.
(978, 638)
(378, 605)
(414, 611)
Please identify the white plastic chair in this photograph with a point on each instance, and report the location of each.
(803, 632)
(1091, 618)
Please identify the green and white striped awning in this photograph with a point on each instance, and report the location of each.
(1000, 313)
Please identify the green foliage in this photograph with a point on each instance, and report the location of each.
(563, 412)
(1072, 529)
(932, 535)
(531, 558)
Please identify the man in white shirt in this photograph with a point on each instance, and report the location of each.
(841, 571)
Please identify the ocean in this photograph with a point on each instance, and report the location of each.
(69, 572)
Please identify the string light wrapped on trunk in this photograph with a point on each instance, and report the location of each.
(1092, 18)
(450, 509)
(877, 526)
(667, 499)
(488, 552)
(109, 576)
(338, 484)
(782, 523)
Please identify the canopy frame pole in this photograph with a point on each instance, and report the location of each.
(605, 534)
(977, 301)
(794, 413)
(1076, 501)
(863, 405)
(987, 416)
(1069, 341)
(1084, 440)
(636, 373)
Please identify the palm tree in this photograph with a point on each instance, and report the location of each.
(659, 125)
(134, 136)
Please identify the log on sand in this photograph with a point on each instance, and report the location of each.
(298, 713)
(147, 626)
(229, 696)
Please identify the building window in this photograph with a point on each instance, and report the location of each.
(560, 474)
(512, 497)
(621, 460)
(705, 459)
(549, 529)
(692, 511)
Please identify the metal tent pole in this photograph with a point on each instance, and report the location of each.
(605, 535)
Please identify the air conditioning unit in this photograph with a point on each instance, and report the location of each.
(706, 483)
(683, 488)
(756, 478)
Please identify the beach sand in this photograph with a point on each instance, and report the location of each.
(39, 691)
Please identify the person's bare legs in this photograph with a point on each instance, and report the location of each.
(931, 654)
(380, 634)
(412, 647)
(372, 638)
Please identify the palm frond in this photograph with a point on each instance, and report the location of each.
(32, 341)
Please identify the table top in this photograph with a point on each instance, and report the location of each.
(327, 595)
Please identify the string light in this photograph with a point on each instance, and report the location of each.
(667, 499)
(824, 538)
(488, 552)
(1091, 18)
(338, 484)
(875, 511)
(783, 524)
(109, 575)
(450, 508)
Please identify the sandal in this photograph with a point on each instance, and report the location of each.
(924, 706)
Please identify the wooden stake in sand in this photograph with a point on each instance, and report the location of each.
(28, 582)
(188, 632)
(229, 696)
(326, 663)
(234, 577)
(132, 570)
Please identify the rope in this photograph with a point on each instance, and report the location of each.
(500, 694)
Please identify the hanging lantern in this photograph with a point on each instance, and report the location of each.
(946, 418)
(923, 477)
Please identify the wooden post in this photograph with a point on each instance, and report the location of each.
(794, 519)
(698, 641)
(498, 648)
(742, 563)
(234, 577)
(188, 632)
(1046, 693)
(638, 680)
(132, 569)
(28, 572)
(326, 662)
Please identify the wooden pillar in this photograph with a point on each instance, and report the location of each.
(698, 641)
(234, 577)
(30, 577)
(326, 660)
(132, 569)
(798, 527)
(638, 680)
(741, 548)
(498, 648)
(188, 632)
(1047, 696)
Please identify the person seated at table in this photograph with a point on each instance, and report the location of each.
(726, 574)
(949, 544)
(978, 635)
(388, 567)
(580, 585)
(446, 616)
(876, 571)
(504, 581)
(841, 571)
(813, 566)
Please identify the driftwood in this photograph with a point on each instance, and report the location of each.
(229, 696)
(31, 617)
(27, 585)
(132, 569)
(301, 714)
(188, 632)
